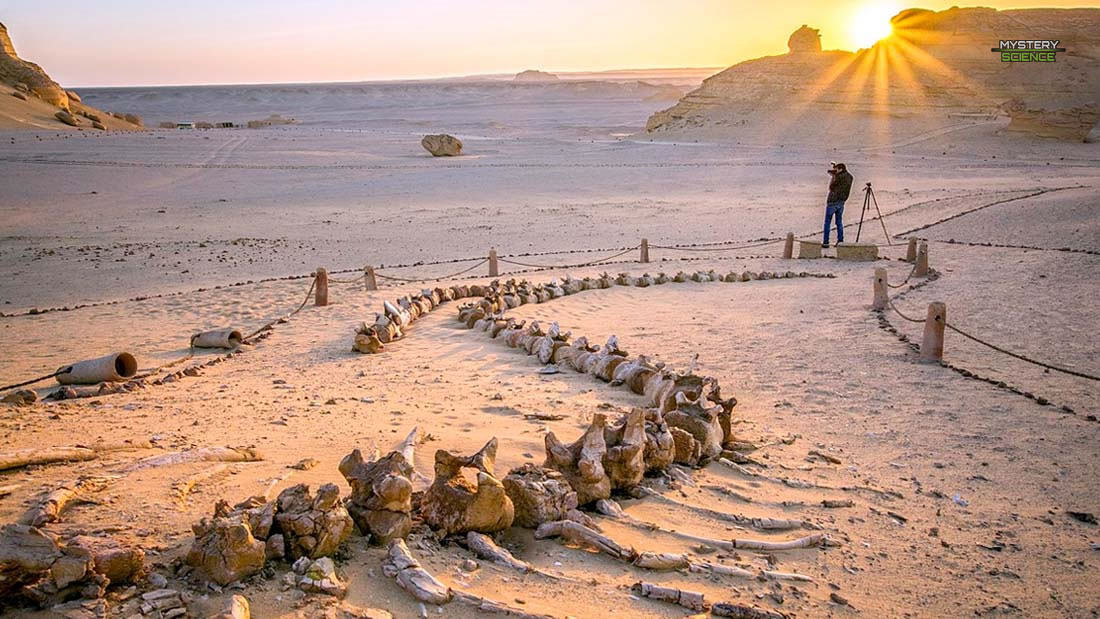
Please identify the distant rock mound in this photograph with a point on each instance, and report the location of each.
(804, 40)
(442, 145)
(936, 71)
(38, 101)
(531, 75)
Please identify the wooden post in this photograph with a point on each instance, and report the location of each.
(372, 282)
(788, 247)
(881, 290)
(645, 251)
(321, 287)
(493, 269)
(911, 251)
(921, 269)
(931, 347)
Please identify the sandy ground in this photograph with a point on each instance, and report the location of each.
(805, 357)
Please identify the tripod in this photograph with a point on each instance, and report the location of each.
(868, 198)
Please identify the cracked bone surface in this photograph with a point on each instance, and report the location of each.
(624, 460)
(539, 495)
(39, 567)
(699, 418)
(660, 447)
(225, 551)
(581, 462)
(313, 527)
(381, 494)
(453, 504)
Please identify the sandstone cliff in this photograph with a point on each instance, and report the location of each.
(934, 72)
(37, 101)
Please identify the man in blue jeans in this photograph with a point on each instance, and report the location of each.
(839, 187)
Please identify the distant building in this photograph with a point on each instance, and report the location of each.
(185, 125)
(225, 125)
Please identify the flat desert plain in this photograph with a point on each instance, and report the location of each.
(959, 488)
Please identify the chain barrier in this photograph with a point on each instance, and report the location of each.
(267, 326)
(424, 279)
(697, 248)
(1019, 356)
(570, 266)
(898, 312)
(906, 281)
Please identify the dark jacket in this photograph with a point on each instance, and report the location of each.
(840, 186)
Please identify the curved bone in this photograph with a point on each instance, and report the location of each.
(580, 534)
(202, 454)
(413, 578)
(50, 508)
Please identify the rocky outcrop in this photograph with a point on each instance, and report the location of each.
(805, 39)
(1073, 123)
(46, 103)
(442, 145)
(935, 71)
(14, 70)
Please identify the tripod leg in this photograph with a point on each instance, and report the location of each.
(881, 219)
(866, 198)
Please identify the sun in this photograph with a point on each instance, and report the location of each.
(871, 23)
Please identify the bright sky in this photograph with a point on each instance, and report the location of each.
(143, 42)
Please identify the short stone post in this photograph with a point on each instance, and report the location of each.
(645, 251)
(371, 281)
(788, 247)
(320, 287)
(911, 251)
(931, 347)
(494, 270)
(881, 290)
(921, 269)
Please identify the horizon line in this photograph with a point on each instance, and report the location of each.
(473, 76)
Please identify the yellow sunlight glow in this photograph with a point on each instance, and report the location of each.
(871, 23)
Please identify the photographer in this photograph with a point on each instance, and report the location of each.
(839, 187)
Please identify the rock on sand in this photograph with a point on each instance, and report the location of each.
(442, 145)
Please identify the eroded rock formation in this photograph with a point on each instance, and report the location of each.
(935, 71)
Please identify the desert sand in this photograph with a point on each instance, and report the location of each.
(960, 489)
